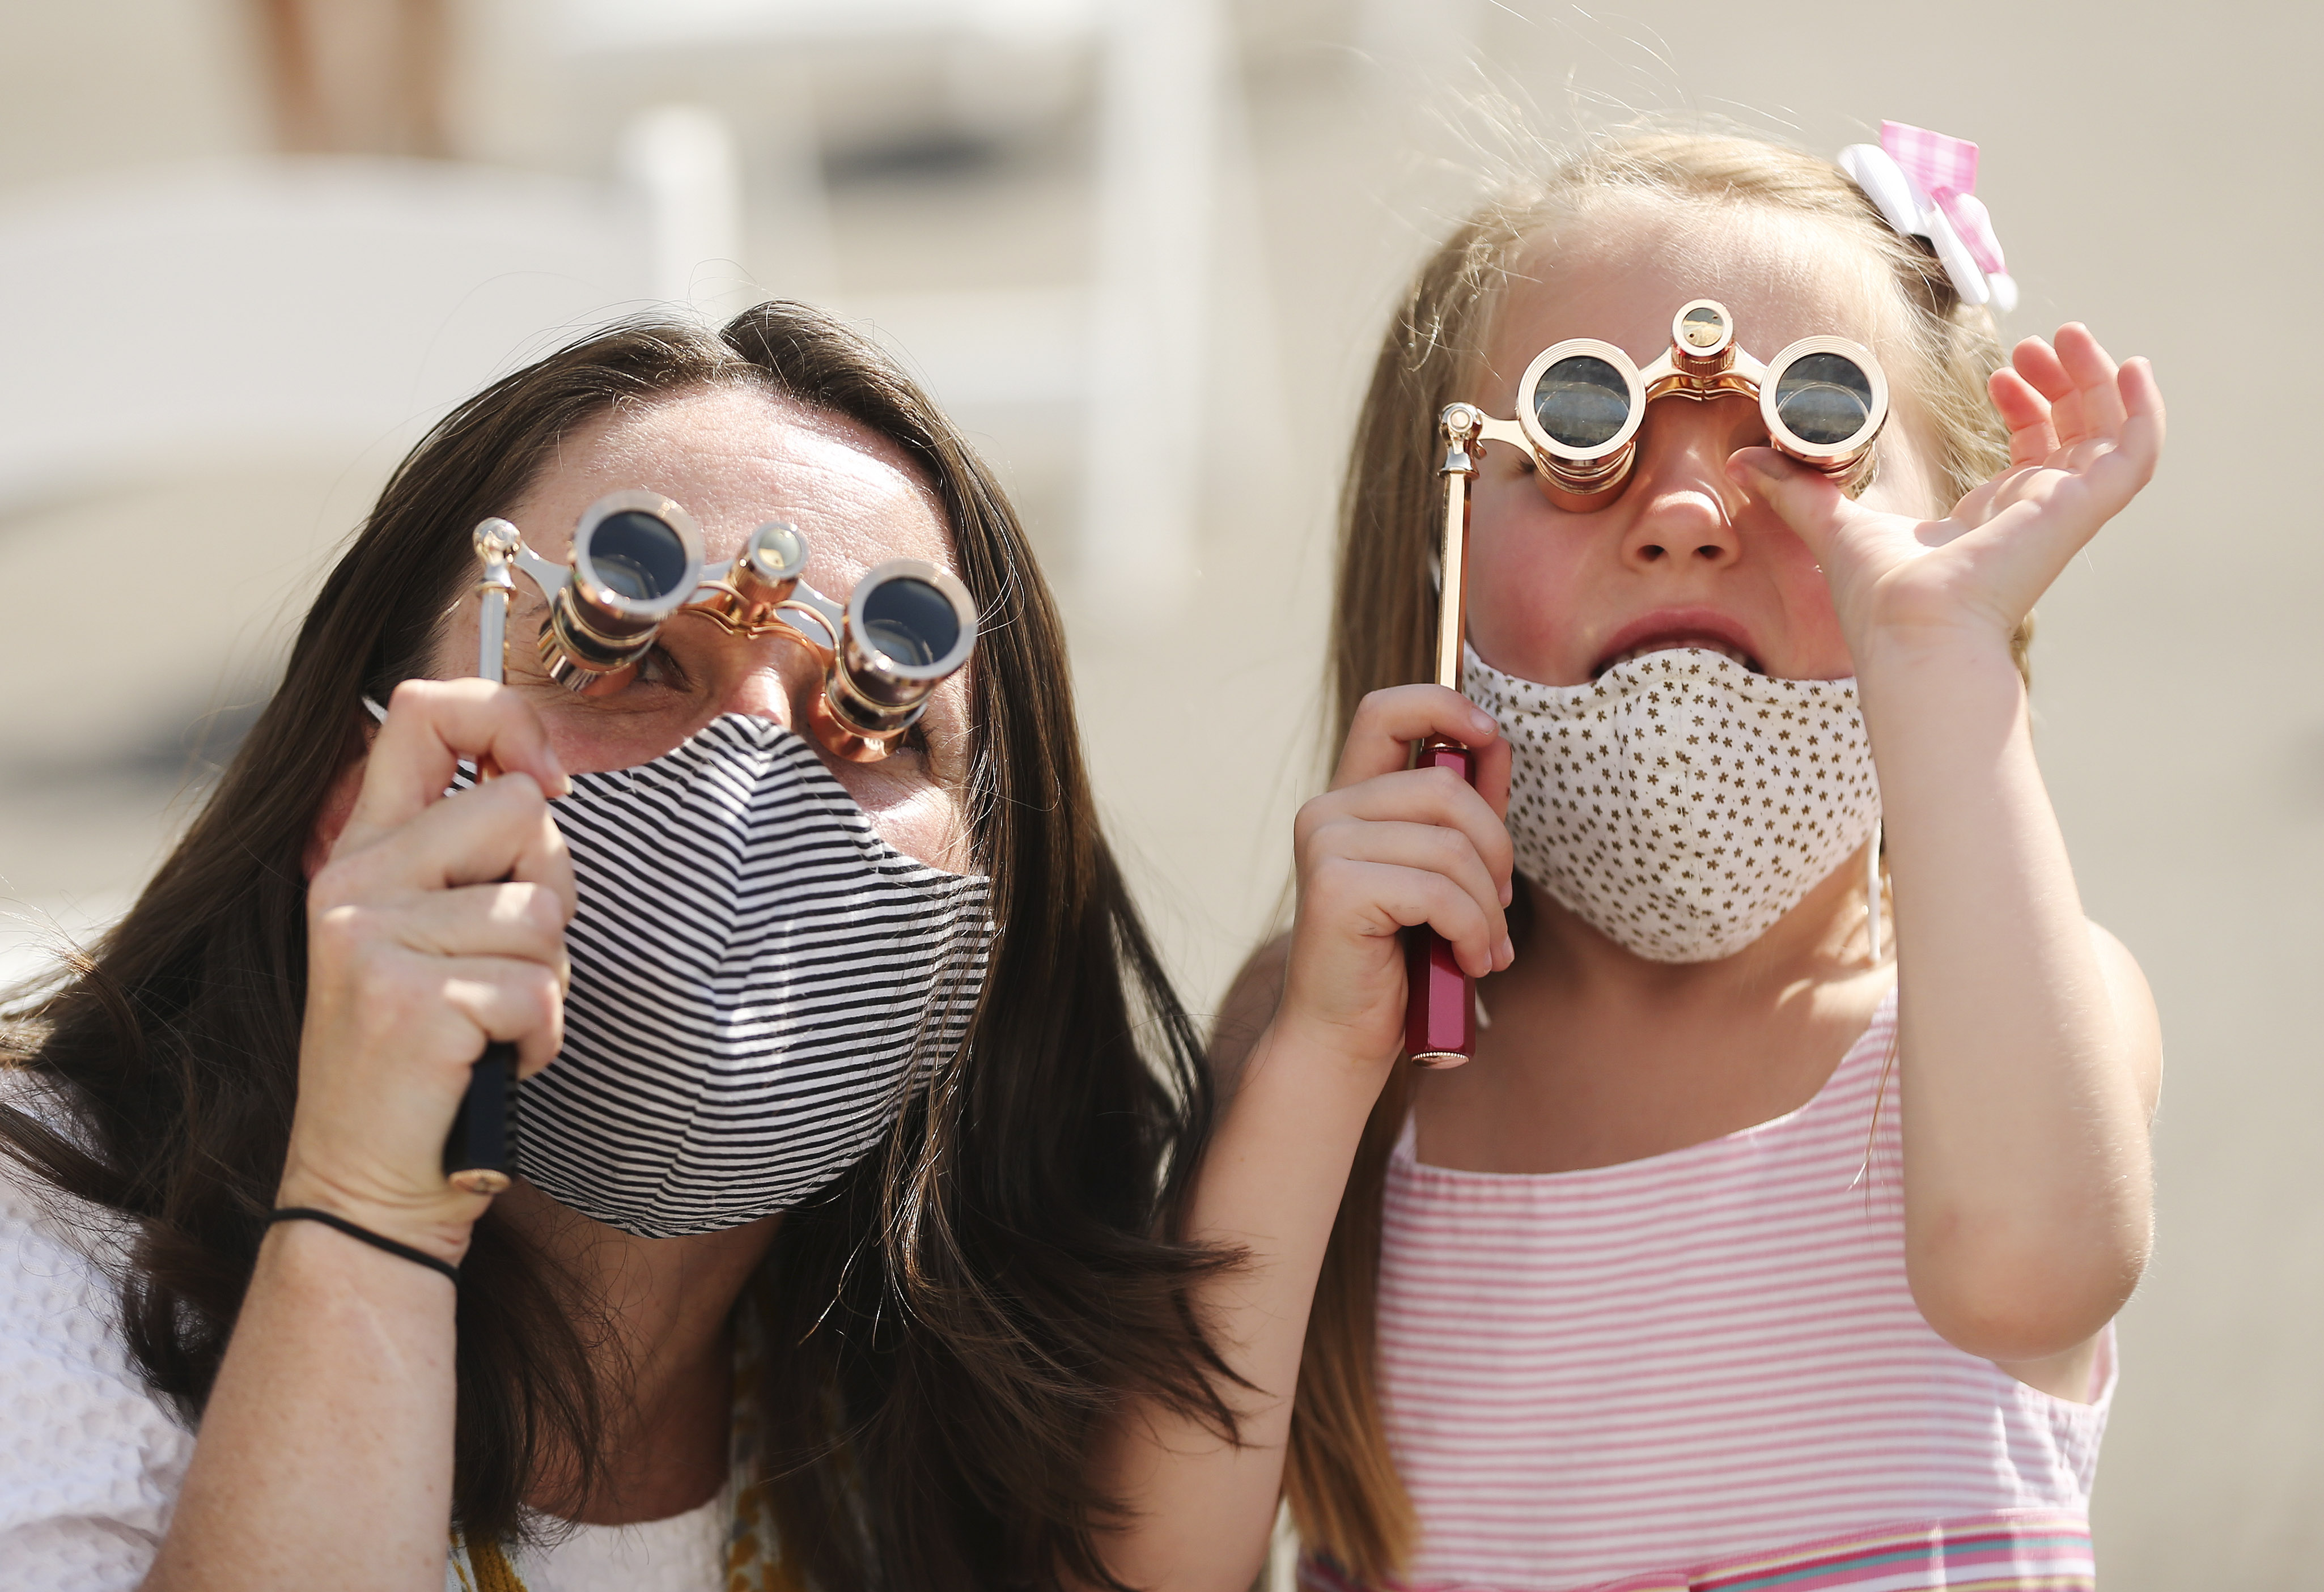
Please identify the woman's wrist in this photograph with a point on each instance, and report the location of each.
(439, 1227)
(315, 1255)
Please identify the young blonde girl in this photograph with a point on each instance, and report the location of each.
(1721, 1265)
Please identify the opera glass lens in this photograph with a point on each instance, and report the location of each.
(1582, 401)
(910, 621)
(1824, 399)
(637, 555)
(637, 559)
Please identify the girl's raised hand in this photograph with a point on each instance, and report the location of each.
(437, 923)
(1388, 848)
(2084, 436)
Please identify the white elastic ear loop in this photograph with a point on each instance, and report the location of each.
(372, 707)
(1872, 892)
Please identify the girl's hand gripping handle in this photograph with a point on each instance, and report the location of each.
(480, 1152)
(1439, 1015)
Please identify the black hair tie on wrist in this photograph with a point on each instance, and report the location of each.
(417, 1256)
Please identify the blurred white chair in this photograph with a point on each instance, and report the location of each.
(1128, 354)
(313, 306)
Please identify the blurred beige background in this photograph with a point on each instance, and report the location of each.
(1144, 251)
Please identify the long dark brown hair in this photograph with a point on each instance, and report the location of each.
(946, 1328)
(1339, 1477)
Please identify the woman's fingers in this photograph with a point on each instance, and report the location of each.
(431, 726)
(501, 829)
(1386, 723)
(523, 921)
(521, 1003)
(1431, 798)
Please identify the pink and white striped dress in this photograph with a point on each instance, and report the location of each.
(1704, 1369)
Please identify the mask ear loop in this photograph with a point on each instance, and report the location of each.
(1872, 892)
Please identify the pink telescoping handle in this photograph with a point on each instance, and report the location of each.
(1440, 1013)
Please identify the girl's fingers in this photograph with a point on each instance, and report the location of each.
(2093, 372)
(1386, 723)
(1424, 848)
(431, 725)
(1417, 798)
(2143, 426)
(1804, 499)
(1381, 899)
(2038, 363)
(2023, 408)
(1493, 775)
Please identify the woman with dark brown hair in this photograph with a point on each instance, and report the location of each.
(854, 1329)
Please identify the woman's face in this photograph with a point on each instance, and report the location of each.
(1683, 557)
(734, 458)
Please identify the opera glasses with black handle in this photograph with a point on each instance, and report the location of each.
(637, 564)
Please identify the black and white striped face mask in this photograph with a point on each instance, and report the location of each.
(758, 981)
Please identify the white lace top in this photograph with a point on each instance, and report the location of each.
(91, 1463)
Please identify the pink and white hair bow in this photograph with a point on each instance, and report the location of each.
(1924, 184)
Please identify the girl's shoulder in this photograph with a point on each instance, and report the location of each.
(90, 1460)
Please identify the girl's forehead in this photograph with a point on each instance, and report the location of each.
(1618, 269)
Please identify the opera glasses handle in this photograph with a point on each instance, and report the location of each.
(1440, 1011)
(480, 1149)
(482, 1145)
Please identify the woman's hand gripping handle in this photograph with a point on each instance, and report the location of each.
(435, 929)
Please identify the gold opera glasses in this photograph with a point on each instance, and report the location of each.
(1581, 405)
(637, 563)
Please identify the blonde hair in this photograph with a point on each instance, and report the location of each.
(1340, 1478)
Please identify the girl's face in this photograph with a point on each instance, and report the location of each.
(1683, 557)
(734, 457)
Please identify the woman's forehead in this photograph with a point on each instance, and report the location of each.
(1618, 269)
(736, 457)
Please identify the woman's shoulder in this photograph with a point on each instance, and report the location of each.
(90, 1460)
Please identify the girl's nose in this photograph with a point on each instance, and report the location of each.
(1682, 504)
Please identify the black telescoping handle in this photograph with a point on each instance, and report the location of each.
(479, 1151)
(482, 1140)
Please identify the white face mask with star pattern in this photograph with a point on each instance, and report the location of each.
(1681, 804)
